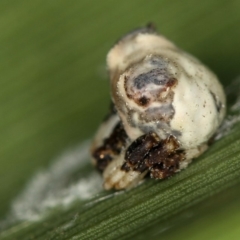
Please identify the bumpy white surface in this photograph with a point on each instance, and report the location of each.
(157, 87)
(195, 119)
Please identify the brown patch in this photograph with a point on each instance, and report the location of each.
(161, 157)
(137, 151)
(163, 161)
(111, 147)
(143, 101)
(171, 82)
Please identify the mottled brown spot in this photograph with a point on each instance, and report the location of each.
(111, 147)
(138, 150)
(171, 82)
(143, 101)
(163, 160)
(160, 157)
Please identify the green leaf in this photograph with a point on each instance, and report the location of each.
(54, 92)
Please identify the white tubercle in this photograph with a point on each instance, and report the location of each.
(157, 87)
(167, 107)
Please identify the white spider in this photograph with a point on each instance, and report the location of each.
(166, 107)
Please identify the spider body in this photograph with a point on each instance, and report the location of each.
(166, 105)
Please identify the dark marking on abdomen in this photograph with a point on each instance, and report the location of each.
(217, 103)
(111, 147)
(161, 157)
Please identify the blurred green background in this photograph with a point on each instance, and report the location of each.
(53, 82)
